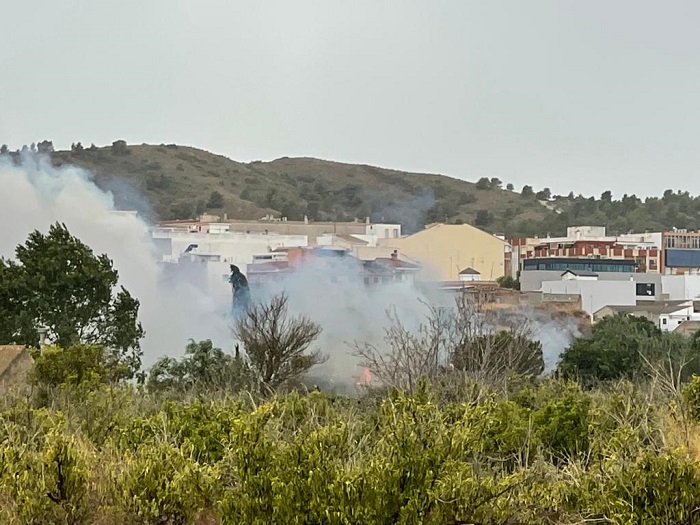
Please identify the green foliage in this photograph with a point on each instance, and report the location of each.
(513, 354)
(506, 281)
(161, 483)
(76, 365)
(483, 218)
(483, 184)
(59, 283)
(691, 397)
(383, 195)
(48, 485)
(552, 453)
(204, 367)
(216, 200)
(615, 349)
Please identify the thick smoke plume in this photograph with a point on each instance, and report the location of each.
(35, 194)
(175, 306)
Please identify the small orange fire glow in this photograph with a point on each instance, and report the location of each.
(365, 378)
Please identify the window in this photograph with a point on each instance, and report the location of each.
(663, 321)
(646, 289)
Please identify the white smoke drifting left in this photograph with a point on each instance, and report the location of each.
(35, 195)
(174, 307)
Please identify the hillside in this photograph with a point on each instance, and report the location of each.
(170, 181)
(179, 182)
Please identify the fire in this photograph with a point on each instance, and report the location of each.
(365, 378)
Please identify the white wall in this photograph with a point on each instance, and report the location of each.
(234, 248)
(583, 232)
(384, 231)
(681, 287)
(674, 319)
(595, 294)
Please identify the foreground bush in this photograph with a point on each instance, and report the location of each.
(552, 453)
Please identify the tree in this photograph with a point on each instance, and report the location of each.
(77, 365)
(544, 195)
(119, 147)
(216, 200)
(606, 196)
(615, 349)
(495, 183)
(45, 146)
(506, 281)
(483, 218)
(4, 150)
(276, 343)
(409, 356)
(527, 191)
(58, 282)
(510, 186)
(459, 338)
(483, 184)
(203, 367)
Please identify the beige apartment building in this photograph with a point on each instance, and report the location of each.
(445, 250)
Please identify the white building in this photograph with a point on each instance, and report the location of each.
(232, 247)
(469, 275)
(667, 315)
(594, 294)
(205, 257)
(681, 287)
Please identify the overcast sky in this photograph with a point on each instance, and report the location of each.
(577, 96)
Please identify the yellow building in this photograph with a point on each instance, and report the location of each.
(446, 249)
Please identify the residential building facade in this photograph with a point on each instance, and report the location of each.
(444, 250)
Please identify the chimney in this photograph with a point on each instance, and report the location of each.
(306, 219)
(366, 220)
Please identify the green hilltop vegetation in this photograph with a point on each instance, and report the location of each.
(179, 182)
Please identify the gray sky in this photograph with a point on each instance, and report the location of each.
(581, 96)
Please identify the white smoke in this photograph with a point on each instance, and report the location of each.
(335, 296)
(35, 195)
(174, 305)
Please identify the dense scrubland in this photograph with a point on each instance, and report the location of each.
(459, 424)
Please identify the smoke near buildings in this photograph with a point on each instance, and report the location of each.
(35, 195)
(174, 304)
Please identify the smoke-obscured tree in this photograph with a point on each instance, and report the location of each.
(216, 200)
(527, 191)
(204, 367)
(462, 339)
(45, 146)
(4, 150)
(58, 283)
(409, 356)
(277, 344)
